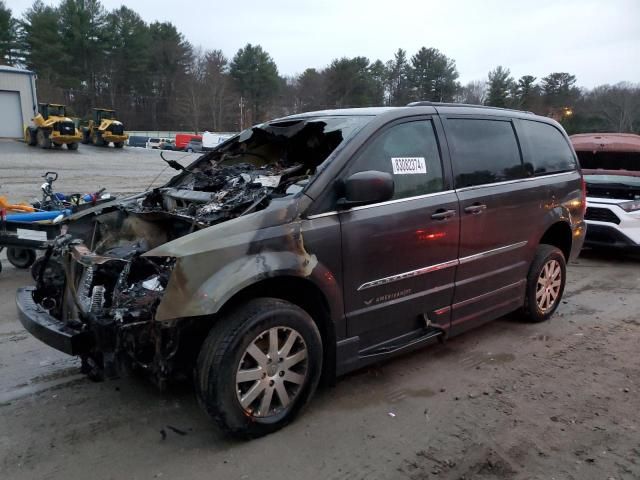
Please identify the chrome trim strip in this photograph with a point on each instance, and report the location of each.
(400, 200)
(488, 294)
(405, 275)
(439, 266)
(519, 180)
(380, 204)
(489, 253)
(320, 215)
(463, 189)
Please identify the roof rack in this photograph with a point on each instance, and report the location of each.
(424, 103)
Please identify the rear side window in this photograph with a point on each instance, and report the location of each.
(409, 151)
(484, 151)
(549, 152)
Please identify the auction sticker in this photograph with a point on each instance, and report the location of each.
(408, 165)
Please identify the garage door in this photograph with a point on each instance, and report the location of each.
(11, 124)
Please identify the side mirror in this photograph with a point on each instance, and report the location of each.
(363, 188)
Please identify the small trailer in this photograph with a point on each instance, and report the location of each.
(22, 239)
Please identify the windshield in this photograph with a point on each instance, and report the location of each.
(307, 141)
(609, 160)
(612, 179)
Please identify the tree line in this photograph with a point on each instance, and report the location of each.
(85, 56)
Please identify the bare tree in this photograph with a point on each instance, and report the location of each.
(618, 105)
(473, 93)
(192, 90)
(216, 81)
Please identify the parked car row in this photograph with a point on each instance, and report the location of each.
(182, 142)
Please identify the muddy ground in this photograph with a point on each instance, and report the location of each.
(85, 170)
(557, 400)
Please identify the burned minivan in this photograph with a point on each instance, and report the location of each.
(310, 246)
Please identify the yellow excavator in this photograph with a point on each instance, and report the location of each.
(52, 127)
(104, 129)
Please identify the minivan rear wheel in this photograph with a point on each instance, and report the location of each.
(545, 283)
(258, 367)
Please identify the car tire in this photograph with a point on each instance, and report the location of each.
(21, 257)
(233, 385)
(72, 146)
(30, 137)
(118, 144)
(43, 139)
(545, 284)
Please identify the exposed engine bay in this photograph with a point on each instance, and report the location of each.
(611, 174)
(96, 277)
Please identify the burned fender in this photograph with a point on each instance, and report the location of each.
(214, 264)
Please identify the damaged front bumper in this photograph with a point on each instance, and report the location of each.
(48, 329)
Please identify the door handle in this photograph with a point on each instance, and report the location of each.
(475, 209)
(443, 214)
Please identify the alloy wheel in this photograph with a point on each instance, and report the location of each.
(548, 286)
(271, 372)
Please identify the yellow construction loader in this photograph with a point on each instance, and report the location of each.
(104, 129)
(52, 127)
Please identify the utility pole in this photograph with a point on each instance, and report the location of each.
(241, 105)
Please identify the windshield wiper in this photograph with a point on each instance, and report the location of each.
(176, 166)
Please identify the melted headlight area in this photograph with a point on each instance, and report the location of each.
(113, 296)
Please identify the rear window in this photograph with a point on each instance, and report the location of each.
(548, 149)
(484, 151)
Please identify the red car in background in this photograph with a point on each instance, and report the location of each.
(182, 139)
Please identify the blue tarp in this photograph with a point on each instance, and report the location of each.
(36, 216)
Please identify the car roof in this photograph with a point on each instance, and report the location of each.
(421, 108)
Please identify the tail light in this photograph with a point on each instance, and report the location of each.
(584, 197)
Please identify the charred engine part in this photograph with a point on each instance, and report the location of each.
(225, 192)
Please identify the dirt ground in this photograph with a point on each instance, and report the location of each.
(557, 400)
(87, 169)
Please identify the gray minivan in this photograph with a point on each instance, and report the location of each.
(312, 245)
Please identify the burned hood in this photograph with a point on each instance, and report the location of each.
(239, 231)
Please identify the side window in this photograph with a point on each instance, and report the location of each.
(409, 151)
(548, 149)
(484, 151)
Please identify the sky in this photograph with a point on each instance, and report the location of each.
(598, 41)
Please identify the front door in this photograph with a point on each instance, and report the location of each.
(400, 256)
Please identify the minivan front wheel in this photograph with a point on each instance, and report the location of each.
(545, 283)
(259, 366)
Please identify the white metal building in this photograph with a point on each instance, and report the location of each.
(18, 101)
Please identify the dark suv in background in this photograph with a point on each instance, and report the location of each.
(313, 245)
